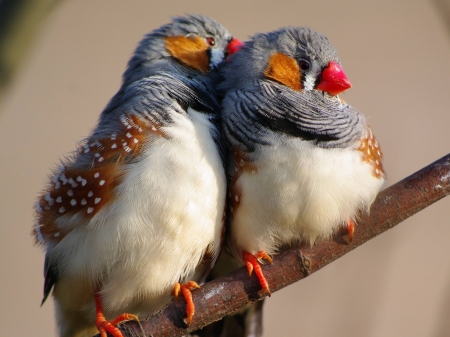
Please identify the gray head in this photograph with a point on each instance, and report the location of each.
(297, 57)
(188, 48)
(285, 84)
(194, 44)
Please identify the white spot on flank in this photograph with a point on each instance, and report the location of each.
(129, 135)
(90, 210)
(377, 171)
(153, 128)
(57, 185)
(236, 197)
(101, 183)
(49, 199)
(38, 207)
(59, 199)
(73, 202)
(368, 151)
(113, 146)
(97, 155)
(135, 140)
(70, 193)
(83, 202)
(79, 179)
(37, 228)
(96, 175)
(97, 200)
(113, 136)
(86, 150)
(127, 148)
(90, 194)
(100, 159)
(62, 177)
(62, 210)
(56, 234)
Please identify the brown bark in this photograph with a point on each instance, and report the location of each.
(227, 294)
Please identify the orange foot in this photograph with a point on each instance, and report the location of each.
(185, 289)
(351, 230)
(251, 262)
(105, 326)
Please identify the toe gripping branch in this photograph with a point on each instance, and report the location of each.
(185, 289)
(252, 264)
(105, 326)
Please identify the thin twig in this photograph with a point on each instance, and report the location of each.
(235, 290)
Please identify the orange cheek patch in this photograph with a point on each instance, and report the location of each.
(285, 70)
(242, 165)
(190, 51)
(371, 153)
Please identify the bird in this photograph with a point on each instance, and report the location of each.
(135, 214)
(302, 163)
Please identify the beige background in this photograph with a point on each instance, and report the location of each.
(397, 56)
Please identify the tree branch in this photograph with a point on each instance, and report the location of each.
(227, 294)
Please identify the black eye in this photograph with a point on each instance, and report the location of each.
(304, 65)
(211, 41)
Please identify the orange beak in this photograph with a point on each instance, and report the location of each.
(234, 46)
(334, 81)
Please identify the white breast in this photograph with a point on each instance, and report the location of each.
(300, 191)
(168, 209)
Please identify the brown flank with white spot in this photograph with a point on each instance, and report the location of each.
(371, 153)
(84, 192)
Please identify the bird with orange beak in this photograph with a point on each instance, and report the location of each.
(302, 162)
(136, 213)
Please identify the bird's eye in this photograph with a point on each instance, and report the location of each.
(211, 41)
(304, 65)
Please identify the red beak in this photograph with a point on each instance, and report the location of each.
(234, 46)
(334, 81)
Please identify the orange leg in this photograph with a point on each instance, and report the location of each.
(105, 326)
(351, 230)
(251, 262)
(185, 289)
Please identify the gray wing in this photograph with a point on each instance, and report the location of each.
(311, 115)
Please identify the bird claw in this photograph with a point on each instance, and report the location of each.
(185, 289)
(350, 230)
(104, 326)
(252, 264)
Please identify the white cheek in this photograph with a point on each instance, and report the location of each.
(217, 57)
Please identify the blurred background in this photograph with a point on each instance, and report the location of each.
(395, 53)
